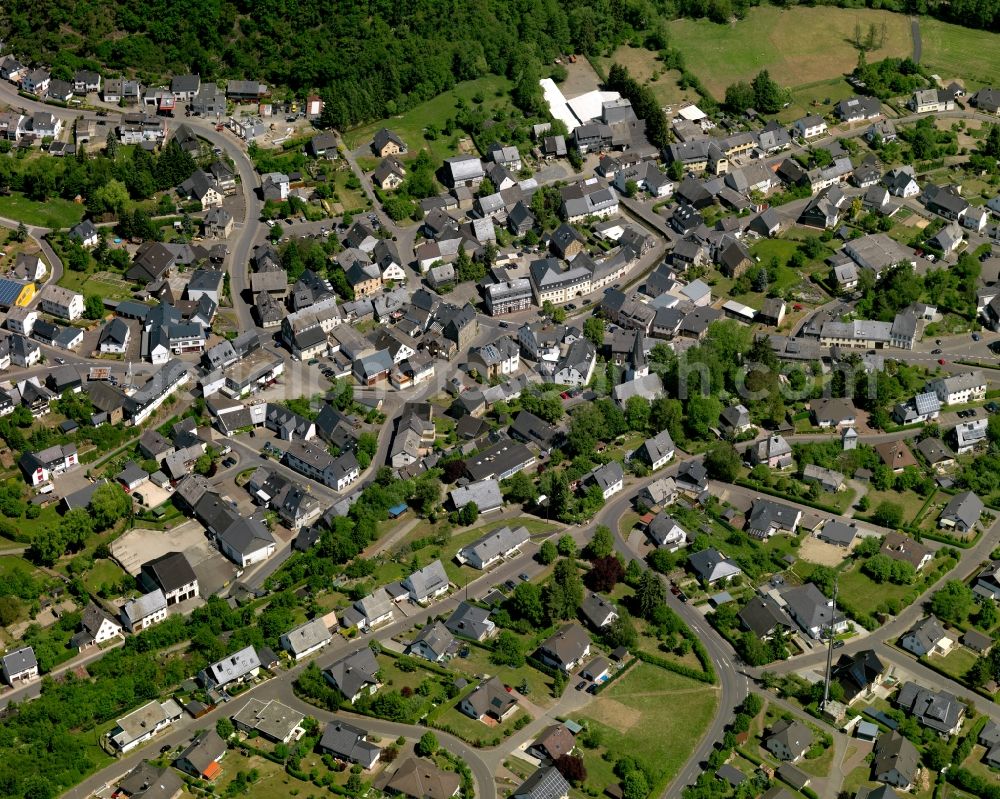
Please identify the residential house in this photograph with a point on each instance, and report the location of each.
(427, 583)
(773, 452)
(496, 545)
(306, 639)
(859, 674)
(597, 611)
(40, 467)
(19, 666)
(764, 617)
(609, 478)
(900, 547)
(143, 724)
(246, 541)
(235, 668)
(665, 532)
(491, 700)
(172, 575)
(349, 743)
(98, 627)
(567, 648)
(272, 720)
(61, 302)
(969, 435)
(471, 621)
(962, 512)
(544, 783)
(927, 637)
(896, 455)
(386, 143)
(145, 611)
(939, 711)
(768, 517)
(553, 742)
(896, 761)
(434, 642)
(355, 674)
(202, 757)
(710, 566)
(658, 450)
(788, 740)
(813, 612)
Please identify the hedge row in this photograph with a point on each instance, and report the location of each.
(677, 668)
(789, 497)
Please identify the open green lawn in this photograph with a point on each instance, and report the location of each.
(817, 96)
(957, 662)
(351, 199)
(411, 125)
(272, 783)
(646, 67)
(53, 213)
(864, 594)
(654, 716)
(953, 51)
(105, 284)
(474, 731)
(478, 662)
(104, 571)
(799, 45)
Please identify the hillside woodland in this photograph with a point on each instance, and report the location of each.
(369, 59)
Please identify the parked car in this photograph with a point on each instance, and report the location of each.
(976, 337)
(991, 407)
(581, 685)
(523, 577)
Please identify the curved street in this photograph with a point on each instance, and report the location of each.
(734, 679)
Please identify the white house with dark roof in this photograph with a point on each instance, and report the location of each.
(145, 611)
(472, 621)
(666, 533)
(813, 612)
(19, 666)
(567, 648)
(306, 639)
(597, 611)
(711, 566)
(355, 674)
(927, 637)
(493, 547)
(427, 583)
(657, 451)
(432, 643)
(962, 512)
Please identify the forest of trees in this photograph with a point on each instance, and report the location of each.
(369, 60)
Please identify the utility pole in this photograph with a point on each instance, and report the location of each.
(829, 649)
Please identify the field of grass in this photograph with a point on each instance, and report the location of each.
(809, 97)
(478, 663)
(474, 731)
(645, 66)
(797, 45)
(654, 716)
(53, 213)
(952, 51)
(957, 662)
(865, 594)
(104, 571)
(104, 284)
(411, 125)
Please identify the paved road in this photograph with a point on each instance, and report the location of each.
(34, 689)
(279, 687)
